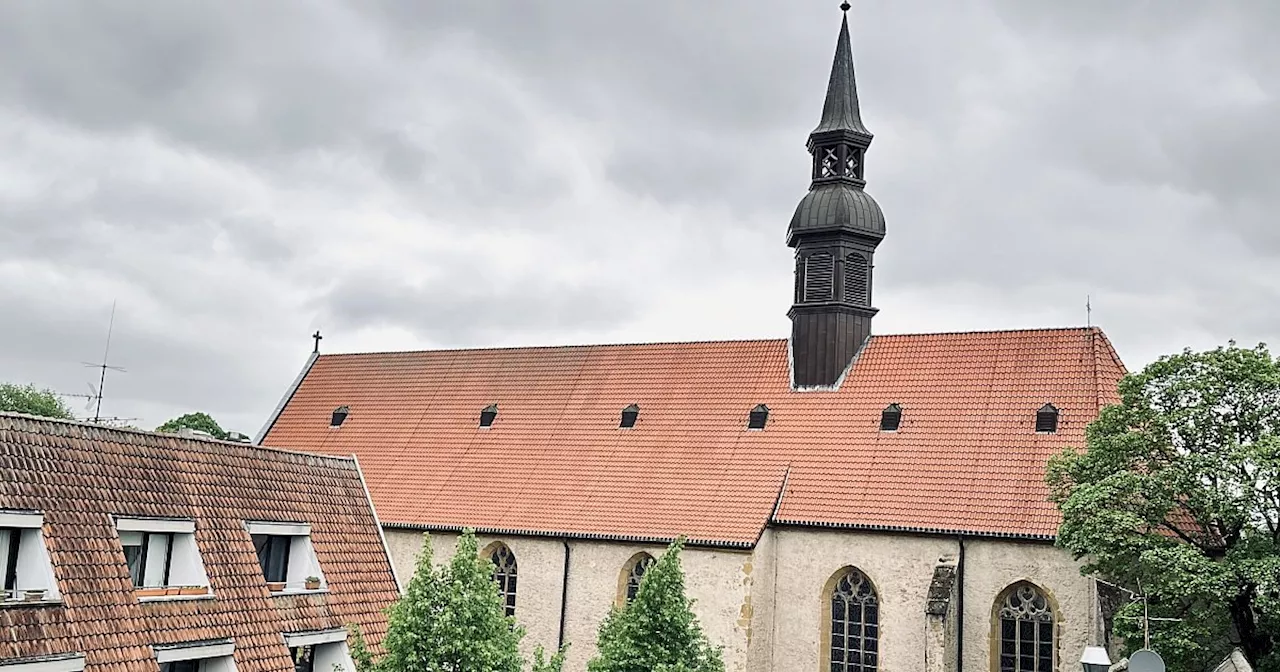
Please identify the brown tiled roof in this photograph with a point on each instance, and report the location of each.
(79, 475)
(555, 462)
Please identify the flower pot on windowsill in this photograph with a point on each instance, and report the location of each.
(33, 595)
(275, 586)
(150, 592)
(313, 583)
(193, 590)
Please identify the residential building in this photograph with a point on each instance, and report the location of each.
(125, 550)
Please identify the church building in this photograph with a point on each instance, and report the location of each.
(852, 501)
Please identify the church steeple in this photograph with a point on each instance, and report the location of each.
(835, 231)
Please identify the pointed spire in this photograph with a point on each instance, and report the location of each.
(840, 110)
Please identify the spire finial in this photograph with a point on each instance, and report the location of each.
(317, 338)
(844, 6)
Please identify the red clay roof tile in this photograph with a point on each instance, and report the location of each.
(80, 475)
(966, 457)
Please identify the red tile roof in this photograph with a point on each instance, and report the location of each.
(966, 457)
(79, 475)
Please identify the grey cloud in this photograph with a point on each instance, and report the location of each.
(465, 307)
(233, 170)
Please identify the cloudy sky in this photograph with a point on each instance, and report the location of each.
(426, 173)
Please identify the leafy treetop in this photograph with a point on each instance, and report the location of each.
(1178, 497)
(657, 631)
(198, 421)
(32, 401)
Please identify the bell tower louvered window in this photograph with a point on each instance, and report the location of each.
(759, 416)
(890, 418)
(1047, 419)
(856, 279)
(488, 415)
(819, 277)
(629, 416)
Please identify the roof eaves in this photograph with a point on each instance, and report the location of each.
(284, 401)
(592, 536)
(913, 530)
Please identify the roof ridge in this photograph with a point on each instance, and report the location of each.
(166, 435)
(632, 344)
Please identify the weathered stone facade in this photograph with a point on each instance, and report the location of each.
(767, 606)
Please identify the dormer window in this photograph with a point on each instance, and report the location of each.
(319, 651)
(1047, 419)
(890, 418)
(339, 416)
(759, 416)
(201, 656)
(629, 416)
(162, 557)
(488, 415)
(24, 560)
(286, 557)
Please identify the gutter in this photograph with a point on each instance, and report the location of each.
(561, 534)
(564, 596)
(960, 606)
(284, 401)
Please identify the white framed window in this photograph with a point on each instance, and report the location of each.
(287, 559)
(319, 651)
(70, 662)
(163, 559)
(25, 569)
(215, 656)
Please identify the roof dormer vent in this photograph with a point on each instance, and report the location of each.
(629, 416)
(1047, 419)
(890, 418)
(488, 414)
(339, 416)
(759, 416)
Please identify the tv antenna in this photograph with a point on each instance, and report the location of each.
(1088, 311)
(95, 393)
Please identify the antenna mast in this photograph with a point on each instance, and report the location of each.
(102, 377)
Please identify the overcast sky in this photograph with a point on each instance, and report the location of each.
(425, 173)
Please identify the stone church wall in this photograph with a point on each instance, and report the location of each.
(720, 580)
(766, 607)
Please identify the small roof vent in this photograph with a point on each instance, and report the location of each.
(339, 416)
(890, 418)
(629, 416)
(488, 415)
(1047, 419)
(759, 416)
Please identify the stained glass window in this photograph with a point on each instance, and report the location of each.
(635, 573)
(855, 624)
(1026, 631)
(504, 572)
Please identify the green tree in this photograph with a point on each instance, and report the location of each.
(27, 399)
(1178, 497)
(198, 421)
(360, 654)
(451, 618)
(657, 631)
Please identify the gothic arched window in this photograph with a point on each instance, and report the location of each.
(632, 574)
(819, 277)
(504, 572)
(1026, 629)
(853, 632)
(856, 279)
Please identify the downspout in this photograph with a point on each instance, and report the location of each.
(564, 594)
(960, 607)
